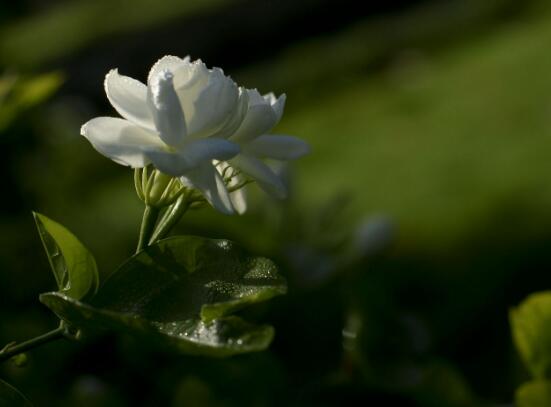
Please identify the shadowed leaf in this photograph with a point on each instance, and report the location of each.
(73, 265)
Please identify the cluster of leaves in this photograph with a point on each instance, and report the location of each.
(531, 326)
(180, 294)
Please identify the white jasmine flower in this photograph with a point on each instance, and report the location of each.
(179, 122)
(189, 118)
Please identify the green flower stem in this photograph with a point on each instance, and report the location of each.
(170, 218)
(11, 351)
(149, 219)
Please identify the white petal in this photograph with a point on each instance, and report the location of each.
(167, 111)
(277, 147)
(270, 98)
(194, 154)
(214, 104)
(255, 98)
(129, 98)
(278, 105)
(265, 177)
(169, 162)
(120, 140)
(190, 74)
(207, 180)
(168, 62)
(189, 80)
(259, 120)
(211, 149)
(234, 120)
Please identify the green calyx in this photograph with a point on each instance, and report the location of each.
(157, 189)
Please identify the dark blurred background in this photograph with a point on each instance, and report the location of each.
(422, 215)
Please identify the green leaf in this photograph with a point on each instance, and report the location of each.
(179, 292)
(222, 337)
(74, 267)
(536, 393)
(531, 326)
(11, 397)
(186, 276)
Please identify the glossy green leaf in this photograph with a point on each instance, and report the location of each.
(187, 276)
(179, 292)
(73, 265)
(11, 397)
(534, 394)
(222, 337)
(531, 326)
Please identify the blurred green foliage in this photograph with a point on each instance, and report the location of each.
(531, 328)
(70, 26)
(458, 134)
(435, 116)
(18, 94)
(534, 394)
